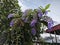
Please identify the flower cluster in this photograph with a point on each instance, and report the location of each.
(33, 31)
(11, 23)
(10, 15)
(31, 21)
(50, 24)
(40, 13)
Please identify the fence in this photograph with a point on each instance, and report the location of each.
(35, 42)
(44, 43)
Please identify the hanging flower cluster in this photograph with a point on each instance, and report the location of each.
(10, 15)
(30, 21)
(49, 21)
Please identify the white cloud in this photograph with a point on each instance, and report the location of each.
(23, 7)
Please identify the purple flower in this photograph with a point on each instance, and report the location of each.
(25, 13)
(26, 19)
(49, 20)
(50, 24)
(11, 23)
(10, 15)
(33, 31)
(39, 13)
(33, 22)
(46, 12)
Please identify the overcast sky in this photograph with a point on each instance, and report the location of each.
(55, 7)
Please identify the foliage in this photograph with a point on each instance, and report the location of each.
(7, 7)
(30, 23)
(21, 28)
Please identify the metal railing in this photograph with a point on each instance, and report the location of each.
(38, 41)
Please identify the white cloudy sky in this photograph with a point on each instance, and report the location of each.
(55, 7)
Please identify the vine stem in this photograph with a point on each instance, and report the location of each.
(17, 41)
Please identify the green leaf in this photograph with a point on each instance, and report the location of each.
(43, 10)
(47, 6)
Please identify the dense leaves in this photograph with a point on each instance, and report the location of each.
(21, 27)
(11, 8)
(31, 21)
